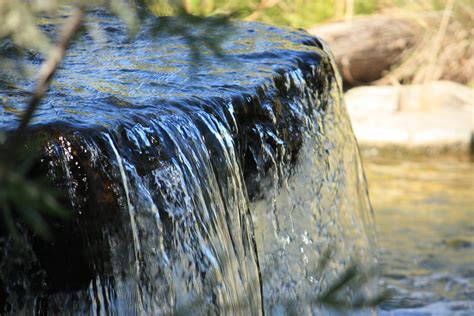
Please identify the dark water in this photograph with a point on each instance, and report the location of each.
(216, 189)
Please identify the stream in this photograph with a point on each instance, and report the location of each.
(424, 212)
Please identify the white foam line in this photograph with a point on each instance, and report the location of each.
(129, 204)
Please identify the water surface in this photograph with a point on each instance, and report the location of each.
(424, 212)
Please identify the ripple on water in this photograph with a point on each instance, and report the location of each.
(424, 214)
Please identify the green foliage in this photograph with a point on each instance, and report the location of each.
(299, 13)
(295, 13)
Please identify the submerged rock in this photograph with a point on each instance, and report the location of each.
(215, 185)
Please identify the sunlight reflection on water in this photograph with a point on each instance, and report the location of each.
(424, 211)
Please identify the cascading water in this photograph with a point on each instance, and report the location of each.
(214, 187)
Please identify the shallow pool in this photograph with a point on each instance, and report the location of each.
(424, 211)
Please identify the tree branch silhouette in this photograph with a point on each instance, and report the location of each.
(48, 69)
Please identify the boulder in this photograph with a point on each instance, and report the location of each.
(433, 115)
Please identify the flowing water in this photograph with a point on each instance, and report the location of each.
(196, 183)
(424, 211)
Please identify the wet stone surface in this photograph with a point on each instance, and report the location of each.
(214, 183)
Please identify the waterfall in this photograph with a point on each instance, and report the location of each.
(216, 190)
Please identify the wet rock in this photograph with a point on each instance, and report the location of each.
(218, 189)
